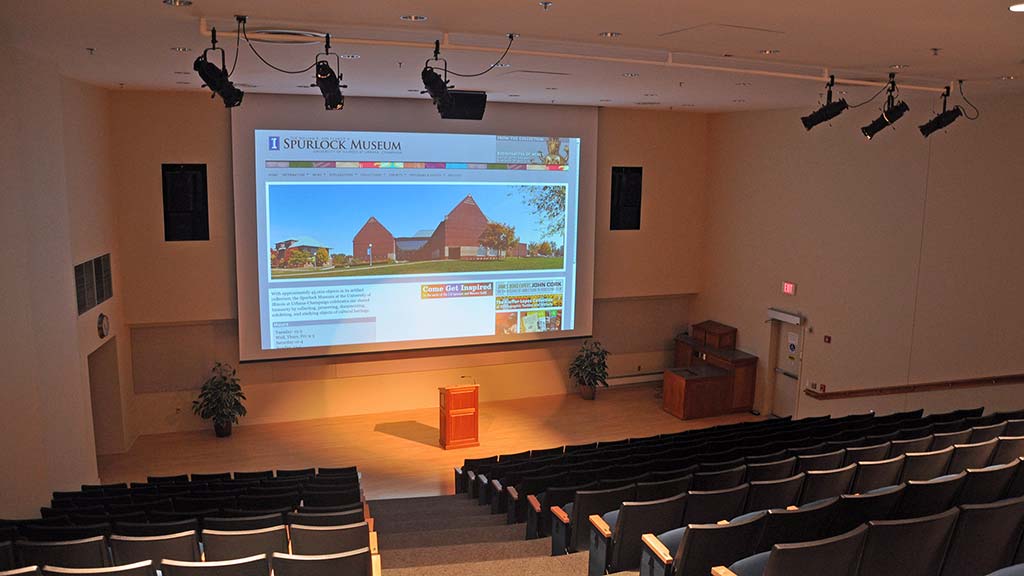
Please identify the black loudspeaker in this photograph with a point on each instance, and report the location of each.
(186, 216)
(466, 105)
(627, 182)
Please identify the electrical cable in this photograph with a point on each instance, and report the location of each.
(238, 39)
(977, 112)
(511, 38)
(870, 99)
(264, 60)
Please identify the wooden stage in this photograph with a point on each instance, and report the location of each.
(398, 452)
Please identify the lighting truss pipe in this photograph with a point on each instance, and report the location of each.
(667, 62)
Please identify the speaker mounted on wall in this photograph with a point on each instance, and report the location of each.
(186, 214)
(627, 182)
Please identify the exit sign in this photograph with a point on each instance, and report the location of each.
(789, 288)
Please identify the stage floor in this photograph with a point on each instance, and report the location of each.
(398, 452)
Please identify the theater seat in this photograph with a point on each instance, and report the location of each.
(351, 563)
(257, 565)
(985, 537)
(697, 548)
(913, 547)
(836, 556)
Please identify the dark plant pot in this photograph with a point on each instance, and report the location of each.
(588, 392)
(222, 429)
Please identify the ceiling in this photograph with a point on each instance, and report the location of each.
(670, 54)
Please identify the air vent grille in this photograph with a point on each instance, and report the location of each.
(93, 283)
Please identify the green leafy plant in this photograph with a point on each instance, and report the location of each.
(220, 398)
(590, 367)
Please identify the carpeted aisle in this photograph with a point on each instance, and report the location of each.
(453, 535)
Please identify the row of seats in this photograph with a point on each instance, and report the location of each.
(820, 481)
(969, 540)
(216, 545)
(619, 539)
(858, 443)
(358, 562)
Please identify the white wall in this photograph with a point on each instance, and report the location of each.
(905, 250)
(47, 441)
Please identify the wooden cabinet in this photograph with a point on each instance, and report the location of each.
(698, 391)
(459, 419)
(741, 366)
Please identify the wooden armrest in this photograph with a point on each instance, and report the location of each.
(534, 503)
(513, 493)
(602, 526)
(557, 512)
(722, 571)
(366, 510)
(373, 543)
(369, 523)
(375, 564)
(657, 548)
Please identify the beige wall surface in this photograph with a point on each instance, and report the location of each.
(47, 439)
(180, 302)
(902, 249)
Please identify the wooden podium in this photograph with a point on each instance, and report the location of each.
(460, 424)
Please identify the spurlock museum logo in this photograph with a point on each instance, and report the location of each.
(333, 144)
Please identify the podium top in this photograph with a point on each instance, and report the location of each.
(460, 387)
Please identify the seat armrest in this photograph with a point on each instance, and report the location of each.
(513, 493)
(559, 514)
(600, 525)
(722, 571)
(375, 569)
(658, 550)
(374, 549)
(534, 503)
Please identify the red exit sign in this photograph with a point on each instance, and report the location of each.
(789, 288)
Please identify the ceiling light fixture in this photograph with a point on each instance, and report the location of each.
(1006, 78)
(412, 18)
(891, 112)
(178, 3)
(327, 81)
(180, 49)
(828, 111)
(770, 51)
(217, 78)
(630, 75)
(898, 66)
(347, 56)
(1017, 8)
(546, 5)
(610, 34)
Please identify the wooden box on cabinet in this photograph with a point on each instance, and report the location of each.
(715, 335)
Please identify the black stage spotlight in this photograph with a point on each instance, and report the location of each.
(892, 112)
(327, 81)
(827, 112)
(437, 88)
(217, 78)
(942, 119)
(330, 86)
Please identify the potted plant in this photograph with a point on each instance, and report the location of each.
(590, 368)
(220, 399)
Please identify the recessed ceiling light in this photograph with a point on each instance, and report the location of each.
(605, 100)
(513, 95)
(349, 56)
(412, 18)
(631, 75)
(610, 34)
(413, 90)
(182, 82)
(648, 103)
(743, 84)
(246, 85)
(650, 95)
(1017, 8)
(1007, 77)
(180, 73)
(550, 88)
(739, 101)
(502, 65)
(180, 49)
(898, 66)
(178, 3)
(545, 5)
(770, 51)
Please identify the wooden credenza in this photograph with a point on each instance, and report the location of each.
(460, 417)
(698, 391)
(741, 366)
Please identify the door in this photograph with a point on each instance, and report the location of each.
(788, 355)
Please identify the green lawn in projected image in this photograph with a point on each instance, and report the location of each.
(429, 267)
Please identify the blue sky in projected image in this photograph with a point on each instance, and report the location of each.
(331, 214)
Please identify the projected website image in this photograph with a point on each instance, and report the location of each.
(319, 231)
